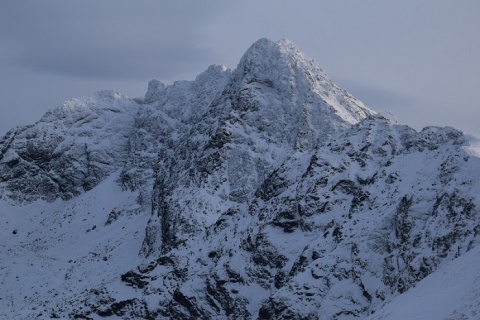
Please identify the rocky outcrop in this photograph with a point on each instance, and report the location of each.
(70, 150)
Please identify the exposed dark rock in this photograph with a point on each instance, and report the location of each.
(134, 279)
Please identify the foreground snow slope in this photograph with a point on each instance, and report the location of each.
(450, 293)
(58, 251)
(265, 192)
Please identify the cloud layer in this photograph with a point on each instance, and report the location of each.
(105, 39)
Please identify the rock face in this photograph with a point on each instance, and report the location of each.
(70, 150)
(270, 193)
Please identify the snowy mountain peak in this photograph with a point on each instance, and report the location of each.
(266, 192)
(266, 58)
(283, 68)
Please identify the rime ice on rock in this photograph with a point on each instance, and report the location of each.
(265, 192)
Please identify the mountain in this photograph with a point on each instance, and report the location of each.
(266, 192)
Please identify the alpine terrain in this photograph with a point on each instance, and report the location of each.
(266, 192)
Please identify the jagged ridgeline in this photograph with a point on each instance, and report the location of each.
(266, 192)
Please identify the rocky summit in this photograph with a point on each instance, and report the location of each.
(266, 192)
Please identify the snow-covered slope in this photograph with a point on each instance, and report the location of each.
(450, 293)
(265, 192)
(52, 253)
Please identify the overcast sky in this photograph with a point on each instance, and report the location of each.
(416, 58)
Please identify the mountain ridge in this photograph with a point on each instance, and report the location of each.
(265, 192)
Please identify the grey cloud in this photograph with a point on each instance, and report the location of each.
(138, 39)
(382, 100)
(376, 97)
(114, 63)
